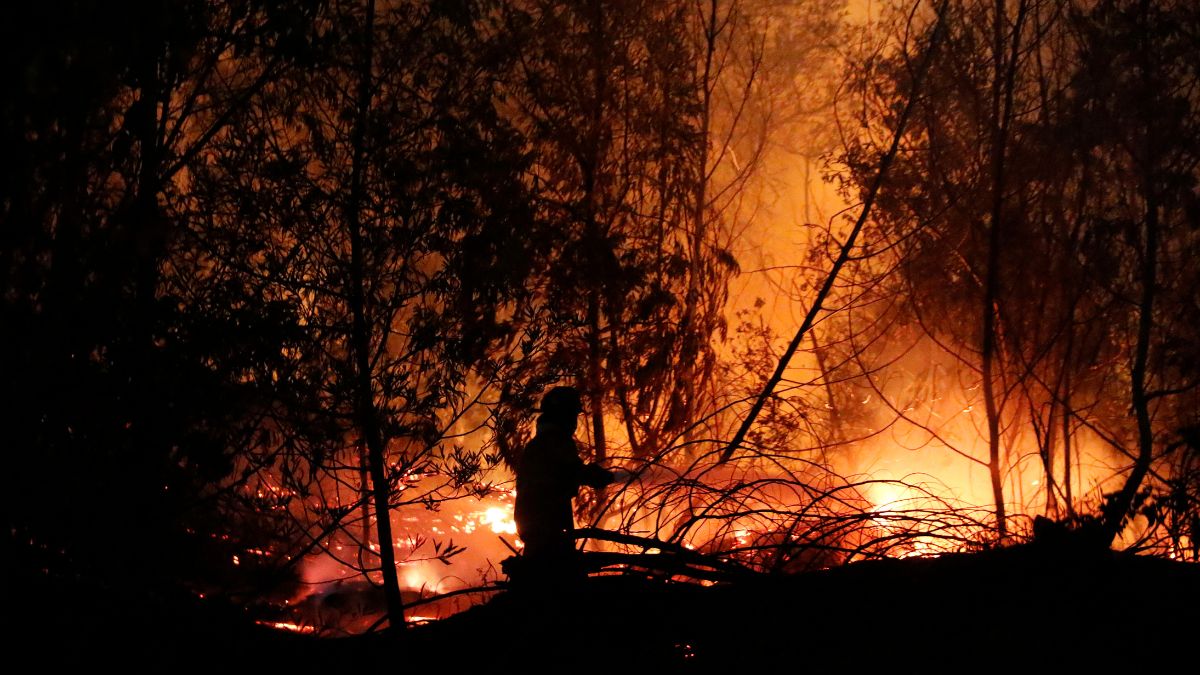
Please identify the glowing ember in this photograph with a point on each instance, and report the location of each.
(284, 625)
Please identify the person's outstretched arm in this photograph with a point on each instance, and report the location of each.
(596, 476)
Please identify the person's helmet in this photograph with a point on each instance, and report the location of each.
(562, 402)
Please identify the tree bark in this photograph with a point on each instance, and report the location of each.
(592, 165)
(1068, 499)
(686, 381)
(1004, 74)
(367, 413)
(1118, 508)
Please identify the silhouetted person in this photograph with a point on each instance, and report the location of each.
(549, 475)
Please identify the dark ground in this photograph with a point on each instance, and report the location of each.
(1025, 607)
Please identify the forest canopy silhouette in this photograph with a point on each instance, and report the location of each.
(284, 280)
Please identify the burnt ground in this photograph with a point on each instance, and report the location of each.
(1027, 607)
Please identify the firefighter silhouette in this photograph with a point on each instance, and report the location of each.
(549, 475)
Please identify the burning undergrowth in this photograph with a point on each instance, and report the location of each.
(689, 514)
(684, 516)
(776, 513)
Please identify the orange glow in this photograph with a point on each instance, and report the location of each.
(500, 519)
(284, 625)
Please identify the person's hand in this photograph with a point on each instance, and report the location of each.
(597, 476)
(621, 475)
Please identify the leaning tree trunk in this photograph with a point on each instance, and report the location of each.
(817, 306)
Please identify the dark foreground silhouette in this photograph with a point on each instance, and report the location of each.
(549, 475)
(1026, 608)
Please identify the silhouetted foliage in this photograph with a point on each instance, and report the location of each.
(276, 271)
(1071, 233)
(118, 405)
(379, 195)
(613, 101)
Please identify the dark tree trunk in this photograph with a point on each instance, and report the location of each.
(1118, 508)
(366, 411)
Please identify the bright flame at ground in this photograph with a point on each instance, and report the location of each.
(500, 519)
(284, 625)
